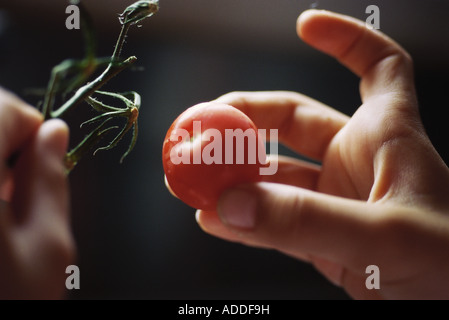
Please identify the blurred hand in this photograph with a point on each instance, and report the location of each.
(381, 195)
(36, 244)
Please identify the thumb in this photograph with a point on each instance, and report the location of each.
(302, 222)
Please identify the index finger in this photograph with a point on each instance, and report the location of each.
(18, 121)
(383, 65)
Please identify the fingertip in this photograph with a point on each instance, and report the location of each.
(304, 17)
(18, 123)
(328, 31)
(199, 219)
(32, 113)
(305, 21)
(197, 216)
(208, 221)
(54, 135)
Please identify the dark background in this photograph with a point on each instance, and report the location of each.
(134, 239)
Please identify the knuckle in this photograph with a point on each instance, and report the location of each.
(303, 219)
(294, 219)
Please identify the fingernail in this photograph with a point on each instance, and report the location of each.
(237, 209)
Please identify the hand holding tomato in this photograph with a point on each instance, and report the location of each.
(380, 196)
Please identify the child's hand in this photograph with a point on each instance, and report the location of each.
(36, 244)
(381, 196)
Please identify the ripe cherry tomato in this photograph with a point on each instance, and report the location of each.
(209, 148)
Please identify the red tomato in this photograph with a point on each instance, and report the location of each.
(209, 148)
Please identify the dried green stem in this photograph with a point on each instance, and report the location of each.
(70, 74)
(84, 92)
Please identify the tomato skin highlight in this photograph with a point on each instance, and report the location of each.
(200, 185)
